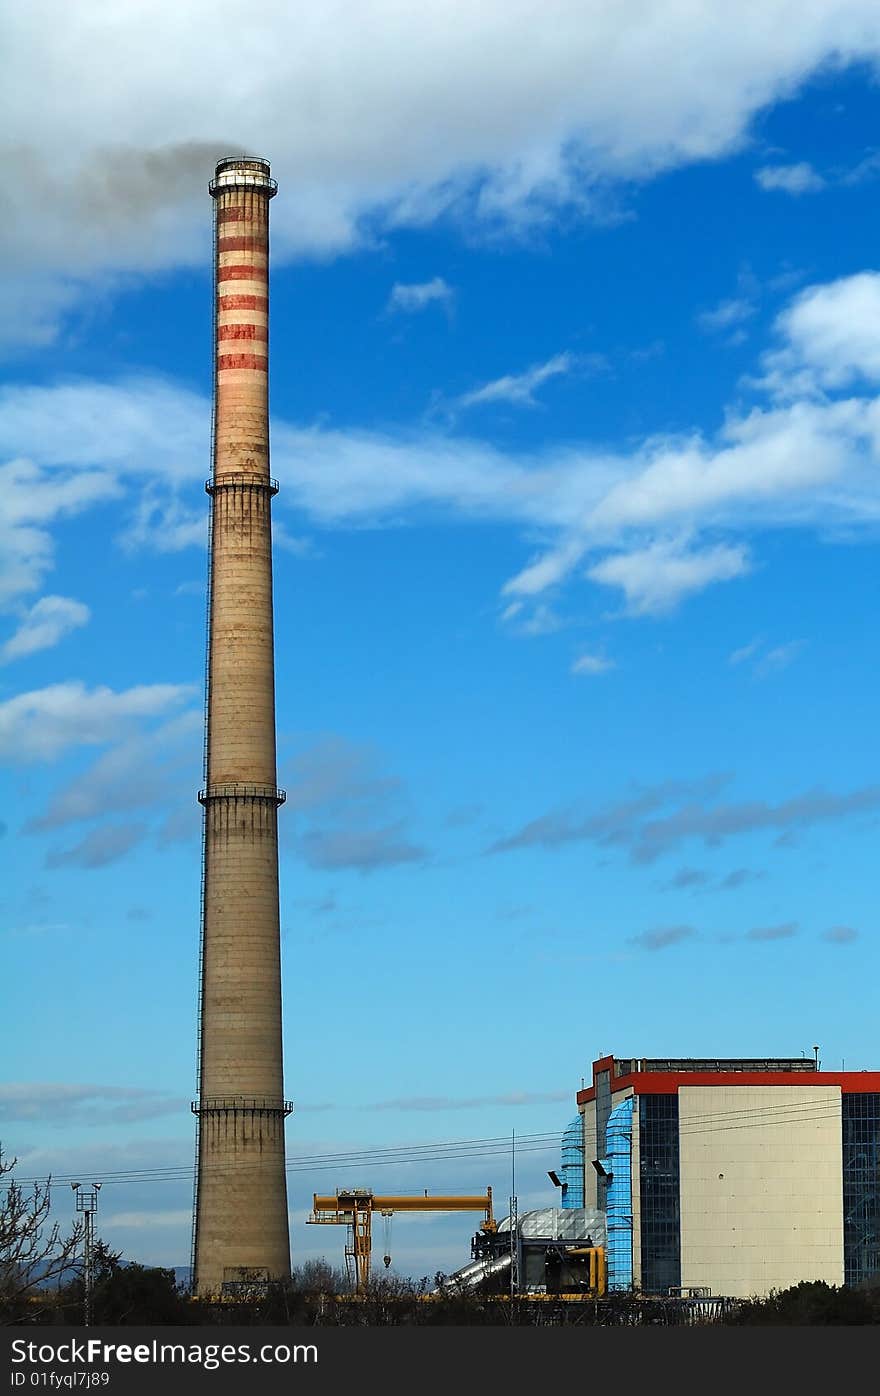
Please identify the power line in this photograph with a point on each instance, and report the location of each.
(374, 1158)
(471, 1149)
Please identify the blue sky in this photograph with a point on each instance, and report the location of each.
(575, 361)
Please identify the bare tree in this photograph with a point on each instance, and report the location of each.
(34, 1256)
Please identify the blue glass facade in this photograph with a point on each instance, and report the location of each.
(861, 1187)
(618, 1198)
(573, 1164)
(659, 1185)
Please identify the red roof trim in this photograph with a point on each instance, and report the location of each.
(668, 1082)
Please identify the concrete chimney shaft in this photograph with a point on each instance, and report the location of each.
(240, 1225)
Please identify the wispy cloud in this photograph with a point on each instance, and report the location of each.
(143, 770)
(44, 625)
(656, 579)
(659, 520)
(727, 315)
(353, 814)
(66, 1103)
(803, 178)
(413, 297)
(33, 498)
(663, 938)
(333, 772)
(840, 935)
(430, 1102)
(765, 660)
(536, 618)
(463, 815)
(519, 388)
(101, 846)
(784, 931)
(40, 725)
(745, 652)
(362, 849)
(687, 877)
(148, 1220)
(778, 658)
(864, 170)
(799, 178)
(739, 877)
(592, 664)
(659, 819)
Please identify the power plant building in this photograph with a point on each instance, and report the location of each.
(732, 1177)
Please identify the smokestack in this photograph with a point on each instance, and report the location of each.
(240, 1227)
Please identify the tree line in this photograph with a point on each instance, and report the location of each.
(41, 1283)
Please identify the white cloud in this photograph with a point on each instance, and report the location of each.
(545, 572)
(831, 338)
(144, 769)
(40, 725)
(395, 116)
(301, 547)
(790, 179)
(416, 296)
(146, 427)
(518, 388)
(678, 506)
(61, 467)
(32, 498)
(47, 622)
(592, 664)
(164, 524)
(657, 578)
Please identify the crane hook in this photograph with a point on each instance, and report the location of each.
(386, 1226)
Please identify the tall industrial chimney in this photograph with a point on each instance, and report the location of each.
(240, 1225)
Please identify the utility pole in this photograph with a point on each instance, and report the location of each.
(514, 1221)
(87, 1203)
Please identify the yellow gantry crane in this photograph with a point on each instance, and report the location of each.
(355, 1209)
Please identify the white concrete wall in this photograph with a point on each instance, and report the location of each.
(761, 1187)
